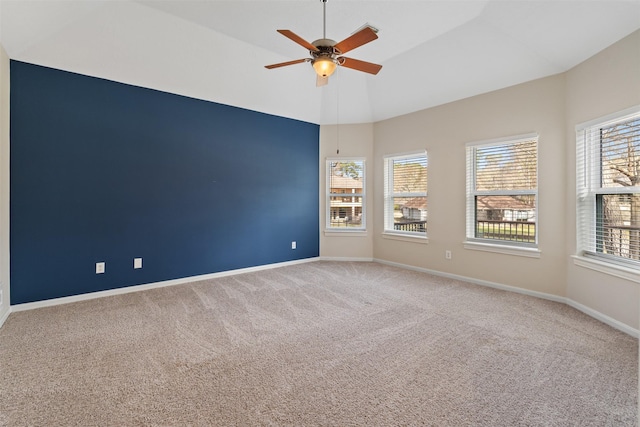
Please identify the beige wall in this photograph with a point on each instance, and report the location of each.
(536, 106)
(550, 107)
(4, 183)
(354, 141)
(606, 83)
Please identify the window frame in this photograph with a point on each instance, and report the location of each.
(329, 229)
(589, 189)
(388, 228)
(511, 247)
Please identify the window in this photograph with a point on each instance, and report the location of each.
(502, 191)
(608, 188)
(345, 194)
(405, 194)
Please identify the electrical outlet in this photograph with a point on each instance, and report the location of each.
(447, 254)
(293, 245)
(137, 263)
(100, 267)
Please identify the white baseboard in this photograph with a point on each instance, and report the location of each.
(495, 285)
(147, 286)
(333, 258)
(4, 316)
(603, 318)
(586, 310)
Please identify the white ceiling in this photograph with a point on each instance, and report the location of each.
(432, 52)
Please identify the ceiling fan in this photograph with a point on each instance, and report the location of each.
(326, 54)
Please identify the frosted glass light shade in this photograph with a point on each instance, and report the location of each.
(324, 66)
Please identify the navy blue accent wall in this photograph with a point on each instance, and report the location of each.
(103, 171)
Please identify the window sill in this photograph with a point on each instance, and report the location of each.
(345, 233)
(503, 249)
(609, 268)
(405, 237)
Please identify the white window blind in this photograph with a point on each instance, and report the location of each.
(345, 194)
(405, 194)
(502, 190)
(608, 188)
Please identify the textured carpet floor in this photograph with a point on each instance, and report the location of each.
(322, 343)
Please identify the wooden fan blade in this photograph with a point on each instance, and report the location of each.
(296, 38)
(356, 64)
(284, 64)
(321, 81)
(363, 36)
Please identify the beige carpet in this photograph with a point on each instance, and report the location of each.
(323, 343)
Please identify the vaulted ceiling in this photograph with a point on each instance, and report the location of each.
(432, 52)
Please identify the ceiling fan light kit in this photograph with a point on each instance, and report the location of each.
(326, 53)
(324, 66)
